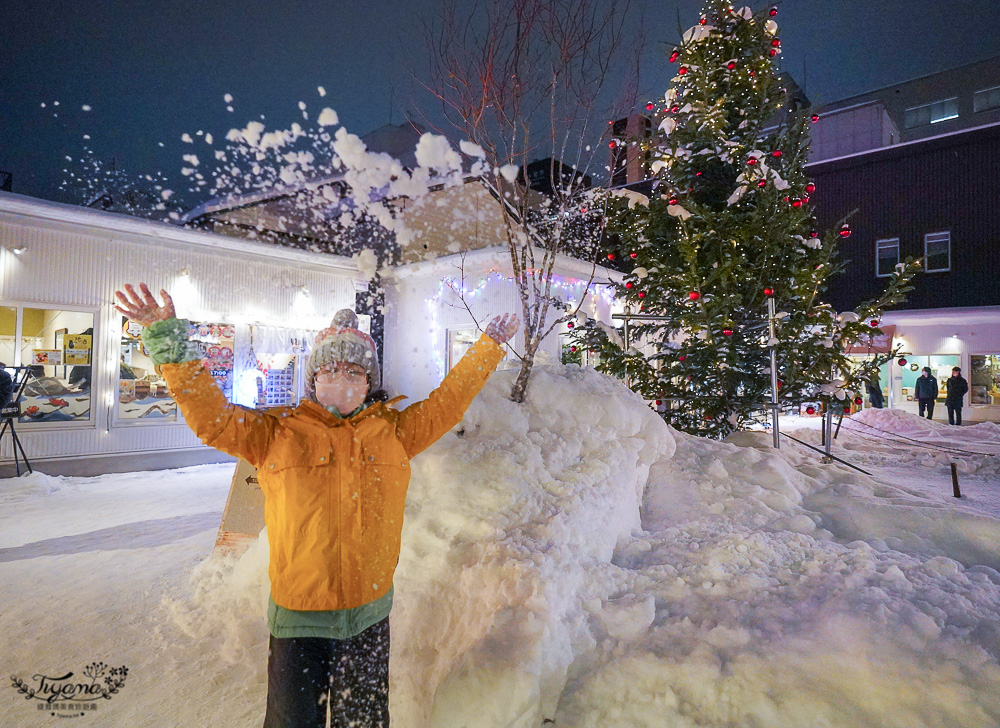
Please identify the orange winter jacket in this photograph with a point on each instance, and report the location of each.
(334, 488)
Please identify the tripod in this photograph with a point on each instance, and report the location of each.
(11, 410)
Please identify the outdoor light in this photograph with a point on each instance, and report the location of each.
(18, 249)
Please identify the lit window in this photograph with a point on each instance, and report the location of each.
(937, 252)
(886, 256)
(986, 99)
(931, 113)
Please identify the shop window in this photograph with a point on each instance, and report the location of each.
(984, 384)
(937, 252)
(931, 113)
(886, 256)
(57, 346)
(142, 392)
(940, 365)
(986, 99)
(459, 342)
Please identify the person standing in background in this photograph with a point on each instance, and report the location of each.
(926, 392)
(957, 388)
(875, 390)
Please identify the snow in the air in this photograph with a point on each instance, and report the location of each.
(571, 560)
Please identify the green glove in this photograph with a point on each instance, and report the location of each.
(167, 342)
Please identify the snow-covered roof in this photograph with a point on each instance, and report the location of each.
(30, 207)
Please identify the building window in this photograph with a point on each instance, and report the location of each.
(931, 113)
(56, 346)
(937, 252)
(984, 384)
(986, 99)
(459, 342)
(886, 256)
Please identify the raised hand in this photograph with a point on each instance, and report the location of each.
(501, 330)
(145, 310)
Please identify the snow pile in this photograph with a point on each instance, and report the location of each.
(576, 560)
(510, 531)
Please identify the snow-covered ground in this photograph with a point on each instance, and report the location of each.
(569, 562)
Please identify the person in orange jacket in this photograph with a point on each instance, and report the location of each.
(334, 471)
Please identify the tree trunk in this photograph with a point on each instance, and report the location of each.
(521, 383)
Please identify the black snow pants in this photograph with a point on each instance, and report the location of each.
(928, 405)
(305, 673)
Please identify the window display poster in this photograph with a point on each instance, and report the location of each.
(217, 343)
(76, 349)
(46, 357)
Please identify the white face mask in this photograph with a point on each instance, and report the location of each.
(343, 391)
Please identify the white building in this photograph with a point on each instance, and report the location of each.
(96, 403)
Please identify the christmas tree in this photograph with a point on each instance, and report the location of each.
(729, 225)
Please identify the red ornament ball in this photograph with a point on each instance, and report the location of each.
(768, 291)
(772, 12)
(902, 362)
(727, 332)
(570, 325)
(780, 384)
(641, 294)
(762, 183)
(674, 54)
(698, 174)
(845, 232)
(611, 256)
(612, 144)
(858, 401)
(675, 109)
(873, 323)
(776, 43)
(810, 410)
(731, 65)
(682, 71)
(752, 161)
(847, 410)
(814, 118)
(773, 52)
(659, 402)
(796, 203)
(629, 284)
(649, 106)
(572, 349)
(702, 21)
(682, 357)
(633, 256)
(814, 234)
(694, 295)
(776, 153)
(810, 188)
(672, 201)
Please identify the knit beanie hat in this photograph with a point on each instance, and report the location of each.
(342, 341)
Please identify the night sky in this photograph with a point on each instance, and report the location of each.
(152, 71)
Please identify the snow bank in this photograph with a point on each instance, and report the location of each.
(575, 560)
(510, 530)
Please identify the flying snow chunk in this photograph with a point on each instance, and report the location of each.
(191, 159)
(228, 98)
(208, 138)
(434, 151)
(185, 137)
(508, 172)
(85, 107)
(167, 194)
(322, 91)
(471, 148)
(327, 117)
(302, 105)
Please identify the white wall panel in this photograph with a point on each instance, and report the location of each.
(81, 263)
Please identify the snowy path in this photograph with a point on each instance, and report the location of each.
(571, 560)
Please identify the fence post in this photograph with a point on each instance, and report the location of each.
(954, 481)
